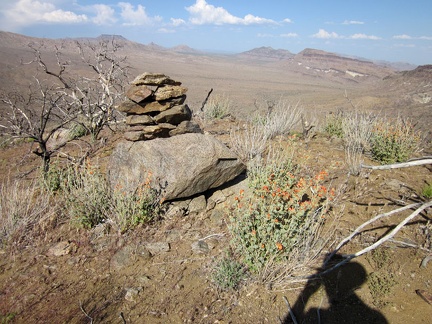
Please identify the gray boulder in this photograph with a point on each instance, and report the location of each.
(180, 166)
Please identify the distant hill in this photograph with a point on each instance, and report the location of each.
(332, 63)
(185, 49)
(267, 53)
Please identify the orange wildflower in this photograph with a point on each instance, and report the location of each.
(253, 232)
(241, 192)
(279, 246)
(262, 246)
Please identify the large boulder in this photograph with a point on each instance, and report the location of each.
(180, 166)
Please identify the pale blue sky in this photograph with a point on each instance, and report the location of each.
(392, 30)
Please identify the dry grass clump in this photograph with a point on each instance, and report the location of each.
(250, 142)
(356, 132)
(23, 209)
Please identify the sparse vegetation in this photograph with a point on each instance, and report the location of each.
(427, 191)
(23, 209)
(357, 131)
(217, 107)
(380, 285)
(333, 124)
(394, 140)
(228, 273)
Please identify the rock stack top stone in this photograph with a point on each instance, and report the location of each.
(155, 108)
(154, 79)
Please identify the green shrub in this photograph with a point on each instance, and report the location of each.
(228, 273)
(89, 200)
(282, 216)
(394, 141)
(427, 191)
(131, 209)
(334, 124)
(87, 195)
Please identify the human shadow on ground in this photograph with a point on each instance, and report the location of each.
(345, 306)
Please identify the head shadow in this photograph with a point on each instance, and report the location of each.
(343, 305)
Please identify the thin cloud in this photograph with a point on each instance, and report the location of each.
(136, 17)
(202, 13)
(353, 22)
(323, 34)
(288, 21)
(177, 22)
(364, 36)
(404, 36)
(289, 35)
(408, 37)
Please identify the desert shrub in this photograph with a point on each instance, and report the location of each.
(333, 124)
(23, 208)
(131, 209)
(282, 118)
(427, 191)
(86, 194)
(380, 285)
(249, 143)
(228, 273)
(77, 130)
(90, 201)
(394, 141)
(356, 133)
(217, 107)
(281, 218)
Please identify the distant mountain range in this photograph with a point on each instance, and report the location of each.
(260, 53)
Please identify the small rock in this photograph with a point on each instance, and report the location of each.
(158, 247)
(63, 248)
(197, 204)
(132, 294)
(122, 258)
(218, 197)
(200, 247)
(153, 79)
(138, 93)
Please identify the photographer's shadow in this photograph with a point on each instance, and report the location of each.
(344, 305)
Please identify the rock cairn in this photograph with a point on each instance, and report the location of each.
(155, 108)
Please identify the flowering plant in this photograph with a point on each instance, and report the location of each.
(285, 208)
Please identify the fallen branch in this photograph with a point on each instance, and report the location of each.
(290, 310)
(382, 240)
(358, 229)
(399, 165)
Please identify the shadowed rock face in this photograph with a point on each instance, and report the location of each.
(180, 166)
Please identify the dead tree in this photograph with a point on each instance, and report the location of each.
(95, 92)
(36, 115)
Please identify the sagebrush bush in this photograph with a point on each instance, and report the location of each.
(356, 131)
(394, 140)
(89, 200)
(284, 213)
(217, 107)
(87, 195)
(228, 273)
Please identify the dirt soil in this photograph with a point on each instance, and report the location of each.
(110, 278)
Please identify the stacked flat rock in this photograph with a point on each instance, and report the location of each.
(155, 108)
